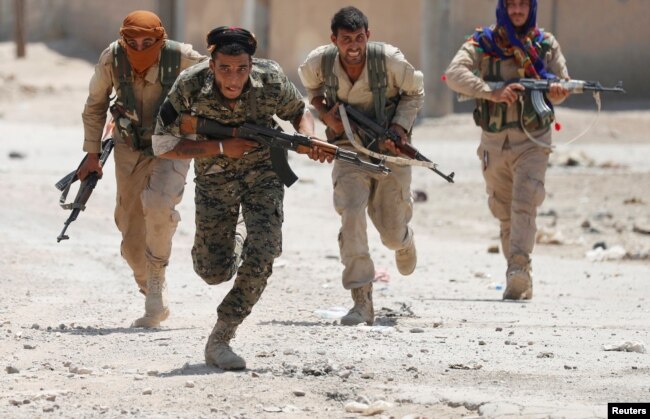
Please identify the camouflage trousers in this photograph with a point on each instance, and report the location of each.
(218, 198)
(148, 190)
(514, 169)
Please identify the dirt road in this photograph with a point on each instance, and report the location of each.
(444, 345)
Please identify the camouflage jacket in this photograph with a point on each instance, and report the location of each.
(268, 93)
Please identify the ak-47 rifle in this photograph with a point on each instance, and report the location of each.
(537, 88)
(275, 139)
(87, 185)
(374, 130)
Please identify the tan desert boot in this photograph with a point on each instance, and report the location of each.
(218, 351)
(155, 303)
(363, 310)
(519, 285)
(406, 259)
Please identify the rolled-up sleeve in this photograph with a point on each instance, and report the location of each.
(167, 134)
(556, 63)
(462, 73)
(311, 75)
(94, 113)
(411, 86)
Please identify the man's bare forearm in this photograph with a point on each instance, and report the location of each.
(189, 149)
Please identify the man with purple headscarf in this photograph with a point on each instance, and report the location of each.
(514, 167)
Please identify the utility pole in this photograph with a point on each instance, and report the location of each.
(255, 17)
(19, 29)
(436, 53)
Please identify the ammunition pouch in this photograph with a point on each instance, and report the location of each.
(491, 116)
(129, 132)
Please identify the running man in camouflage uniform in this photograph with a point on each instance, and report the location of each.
(148, 188)
(232, 88)
(514, 167)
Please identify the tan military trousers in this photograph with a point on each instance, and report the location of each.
(388, 202)
(514, 170)
(148, 189)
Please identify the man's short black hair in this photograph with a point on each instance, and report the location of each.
(229, 49)
(349, 18)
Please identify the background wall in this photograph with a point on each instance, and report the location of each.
(602, 39)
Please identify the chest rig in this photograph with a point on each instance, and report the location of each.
(384, 109)
(127, 121)
(492, 116)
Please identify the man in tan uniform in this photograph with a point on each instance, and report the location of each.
(340, 73)
(514, 165)
(148, 188)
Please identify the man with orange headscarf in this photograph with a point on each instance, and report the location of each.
(141, 67)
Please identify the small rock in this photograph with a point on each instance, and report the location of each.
(12, 370)
(419, 196)
(493, 249)
(51, 398)
(345, 373)
(147, 392)
(355, 407)
(416, 330)
(368, 375)
(189, 384)
(499, 329)
(36, 326)
(288, 352)
(152, 373)
(27, 346)
(481, 342)
(16, 155)
(272, 409)
(601, 245)
(299, 393)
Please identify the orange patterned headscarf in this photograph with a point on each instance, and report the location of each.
(137, 24)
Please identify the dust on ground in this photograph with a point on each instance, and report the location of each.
(444, 345)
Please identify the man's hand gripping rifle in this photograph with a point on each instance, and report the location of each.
(87, 185)
(275, 139)
(374, 130)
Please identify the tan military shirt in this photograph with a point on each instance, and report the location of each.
(469, 67)
(147, 91)
(403, 80)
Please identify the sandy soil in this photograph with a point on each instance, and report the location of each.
(444, 345)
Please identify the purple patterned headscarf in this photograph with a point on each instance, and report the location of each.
(503, 20)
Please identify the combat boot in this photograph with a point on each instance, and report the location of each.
(519, 285)
(155, 303)
(406, 259)
(363, 310)
(218, 351)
